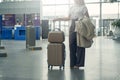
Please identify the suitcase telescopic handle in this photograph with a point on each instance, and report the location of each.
(54, 28)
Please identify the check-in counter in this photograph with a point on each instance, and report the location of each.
(19, 33)
(6, 33)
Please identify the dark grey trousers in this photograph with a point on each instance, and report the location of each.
(77, 54)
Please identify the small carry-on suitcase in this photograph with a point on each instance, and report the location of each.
(56, 55)
(56, 37)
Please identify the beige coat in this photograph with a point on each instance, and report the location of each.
(85, 32)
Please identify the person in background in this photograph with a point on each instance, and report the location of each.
(77, 54)
(17, 25)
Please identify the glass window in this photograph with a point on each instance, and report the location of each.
(49, 11)
(62, 1)
(71, 2)
(48, 1)
(93, 9)
(62, 10)
(55, 10)
(89, 1)
(107, 10)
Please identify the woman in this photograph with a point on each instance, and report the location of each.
(77, 54)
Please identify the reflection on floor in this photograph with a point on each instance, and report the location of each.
(102, 62)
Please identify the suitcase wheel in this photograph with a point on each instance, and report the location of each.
(60, 67)
(63, 66)
(50, 67)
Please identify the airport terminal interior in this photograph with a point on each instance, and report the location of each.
(24, 29)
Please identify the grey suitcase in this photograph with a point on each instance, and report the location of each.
(56, 55)
(45, 29)
(30, 36)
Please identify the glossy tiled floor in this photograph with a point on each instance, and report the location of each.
(102, 62)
